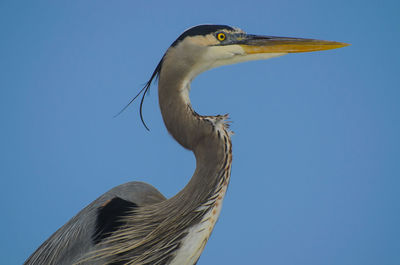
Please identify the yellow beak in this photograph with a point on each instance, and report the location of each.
(254, 44)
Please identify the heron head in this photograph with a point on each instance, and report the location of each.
(208, 46)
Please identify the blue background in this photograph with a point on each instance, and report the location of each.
(316, 174)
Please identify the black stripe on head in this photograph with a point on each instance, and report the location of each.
(201, 30)
(110, 217)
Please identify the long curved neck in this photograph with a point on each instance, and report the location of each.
(197, 206)
(207, 136)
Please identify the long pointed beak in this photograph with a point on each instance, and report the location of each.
(253, 44)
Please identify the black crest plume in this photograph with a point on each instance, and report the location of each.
(144, 90)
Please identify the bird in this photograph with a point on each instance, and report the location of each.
(134, 223)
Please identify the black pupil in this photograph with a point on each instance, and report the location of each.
(221, 36)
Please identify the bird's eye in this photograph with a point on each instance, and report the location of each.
(221, 36)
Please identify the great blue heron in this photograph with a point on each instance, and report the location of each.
(134, 223)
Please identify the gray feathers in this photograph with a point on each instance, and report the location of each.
(74, 240)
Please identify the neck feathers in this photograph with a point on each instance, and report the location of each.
(207, 136)
(209, 139)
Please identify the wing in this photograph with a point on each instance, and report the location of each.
(94, 223)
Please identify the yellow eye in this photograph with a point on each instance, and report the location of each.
(221, 36)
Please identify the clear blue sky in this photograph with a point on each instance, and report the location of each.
(316, 169)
